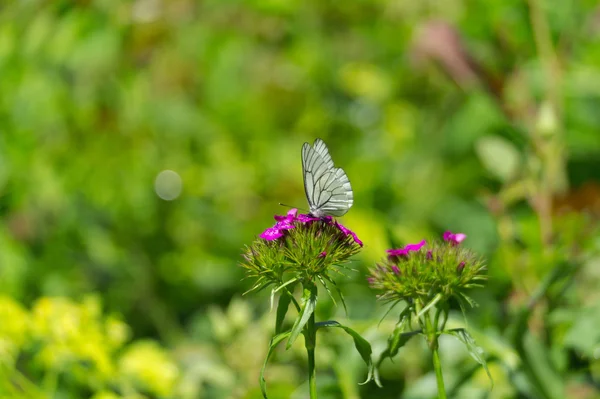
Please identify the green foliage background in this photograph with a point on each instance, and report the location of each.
(487, 124)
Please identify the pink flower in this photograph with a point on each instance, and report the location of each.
(287, 222)
(454, 239)
(403, 252)
(289, 218)
(302, 218)
(271, 234)
(283, 223)
(395, 269)
(322, 254)
(347, 231)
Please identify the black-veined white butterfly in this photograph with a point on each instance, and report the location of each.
(328, 189)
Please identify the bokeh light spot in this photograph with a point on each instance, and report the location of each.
(168, 185)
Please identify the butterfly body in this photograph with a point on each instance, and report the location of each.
(327, 188)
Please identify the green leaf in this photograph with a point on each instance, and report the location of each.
(399, 337)
(339, 292)
(362, 345)
(309, 302)
(282, 308)
(272, 344)
(432, 303)
(291, 281)
(327, 289)
(476, 352)
(389, 310)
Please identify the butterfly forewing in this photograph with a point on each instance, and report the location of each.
(328, 189)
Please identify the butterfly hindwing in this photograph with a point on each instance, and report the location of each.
(328, 189)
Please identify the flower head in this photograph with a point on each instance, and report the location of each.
(415, 273)
(288, 222)
(299, 246)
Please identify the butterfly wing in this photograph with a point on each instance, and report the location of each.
(321, 149)
(328, 189)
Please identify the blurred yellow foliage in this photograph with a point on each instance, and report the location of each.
(14, 329)
(149, 367)
(60, 337)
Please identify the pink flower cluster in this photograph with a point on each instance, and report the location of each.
(453, 238)
(287, 222)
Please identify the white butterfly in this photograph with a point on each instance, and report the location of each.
(328, 189)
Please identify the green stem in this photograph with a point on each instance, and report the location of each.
(431, 331)
(437, 366)
(310, 340)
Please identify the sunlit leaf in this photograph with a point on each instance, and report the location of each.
(475, 351)
(309, 301)
(272, 344)
(362, 345)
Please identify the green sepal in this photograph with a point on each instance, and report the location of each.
(309, 302)
(272, 344)
(362, 345)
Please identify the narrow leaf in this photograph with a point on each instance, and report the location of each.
(328, 290)
(282, 308)
(272, 344)
(476, 352)
(271, 300)
(339, 292)
(309, 301)
(429, 305)
(388, 311)
(291, 281)
(399, 337)
(362, 345)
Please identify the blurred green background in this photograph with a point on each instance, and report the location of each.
(120, 280)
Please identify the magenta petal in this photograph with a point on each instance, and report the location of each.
(454, 238)
(271, 234)
(322, 254)
(404, 251)
(356, 239)
(347, 232)
(291, 215)
(415, 247)
(343, 228)
(397, 252)
(283, 225)
(395, 269)
(303, 218)
(459, 237)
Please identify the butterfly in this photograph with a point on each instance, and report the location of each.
(327, 188)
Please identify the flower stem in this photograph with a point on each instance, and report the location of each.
(437, 365)
(310, 340)
(431, 330)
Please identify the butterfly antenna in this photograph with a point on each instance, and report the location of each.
(289, 206)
